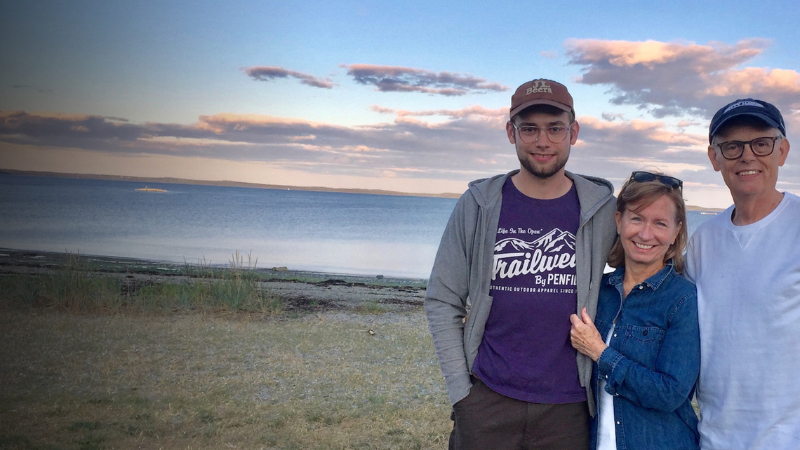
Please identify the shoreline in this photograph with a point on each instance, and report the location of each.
(104, 263)
(303, 291)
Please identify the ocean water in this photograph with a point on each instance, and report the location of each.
(302, 230)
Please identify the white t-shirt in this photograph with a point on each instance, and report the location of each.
(748, 298)
(606, 430)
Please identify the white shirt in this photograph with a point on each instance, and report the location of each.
(748, 296)
(606, 430)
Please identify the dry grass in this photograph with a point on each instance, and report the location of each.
(241, 381)
(75, 287)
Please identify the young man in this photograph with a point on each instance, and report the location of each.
(521, 252)
(746, 264)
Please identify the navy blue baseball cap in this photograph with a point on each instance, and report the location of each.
(747, 107)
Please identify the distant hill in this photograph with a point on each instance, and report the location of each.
(224, 183)
(256, 185)
(700, 208)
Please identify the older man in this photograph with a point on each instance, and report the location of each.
(746, 264)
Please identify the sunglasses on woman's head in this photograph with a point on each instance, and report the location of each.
(666, 180)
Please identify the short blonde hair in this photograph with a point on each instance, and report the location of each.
(641, 195)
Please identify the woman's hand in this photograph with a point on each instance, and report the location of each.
(585, 337)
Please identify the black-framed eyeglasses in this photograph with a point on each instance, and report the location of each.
(530, 134)
(761, 146)
(644, 177)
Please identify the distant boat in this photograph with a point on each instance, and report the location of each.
(708, 213)
(149, 189)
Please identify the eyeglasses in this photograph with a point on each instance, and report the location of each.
(762, 146)
(644, 177)
(530, 134)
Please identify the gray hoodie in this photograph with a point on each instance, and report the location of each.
(457, 301)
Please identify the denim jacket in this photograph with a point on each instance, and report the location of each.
(652, 362)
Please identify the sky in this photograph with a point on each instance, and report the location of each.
(402, 96)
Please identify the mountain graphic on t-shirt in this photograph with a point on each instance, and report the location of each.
(551, 242)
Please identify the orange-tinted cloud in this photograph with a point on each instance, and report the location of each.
(679, 78)
(753, 81)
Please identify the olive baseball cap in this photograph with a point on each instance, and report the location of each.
(541, 92)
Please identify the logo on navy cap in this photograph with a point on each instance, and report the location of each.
(743, 103)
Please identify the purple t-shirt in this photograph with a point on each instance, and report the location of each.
(526, 352)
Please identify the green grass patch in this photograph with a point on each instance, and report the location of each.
(371, 307)
(208, 381)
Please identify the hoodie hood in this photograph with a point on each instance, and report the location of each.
(487, 191)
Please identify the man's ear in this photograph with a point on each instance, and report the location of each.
(712, 156)
(784, 149)
(510, 130)
(573, 135)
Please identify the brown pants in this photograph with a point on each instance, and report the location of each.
(486, 420)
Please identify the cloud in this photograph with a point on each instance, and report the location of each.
(407, 79)
(470, 111)
(639, 138)
(439, 145)
(612, 116)
(382, 109)
(268, 73)
(425, 149)
(28, 127)
(680, 78)
(443, 143)
(29, 87)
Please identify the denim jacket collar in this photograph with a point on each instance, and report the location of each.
(654, 282)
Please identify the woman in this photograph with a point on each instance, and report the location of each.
(644, 340)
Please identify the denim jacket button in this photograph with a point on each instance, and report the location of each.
(644, 332)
